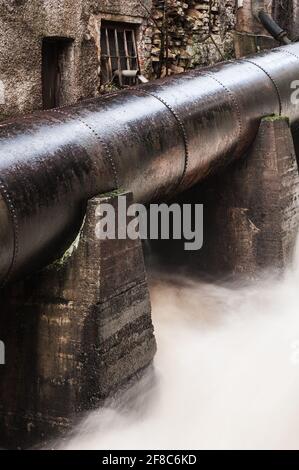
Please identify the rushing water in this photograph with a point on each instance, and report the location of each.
(227, 372)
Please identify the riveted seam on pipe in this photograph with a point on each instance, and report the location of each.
(15, 224)
(291, 53)
(103, 143)
(272, 81)
(182, 129)
(232, 96)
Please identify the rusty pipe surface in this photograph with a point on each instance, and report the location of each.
(155, 140)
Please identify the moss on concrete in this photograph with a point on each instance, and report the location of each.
(59, 263)
(275, 117)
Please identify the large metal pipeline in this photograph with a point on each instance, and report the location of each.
(155, 140)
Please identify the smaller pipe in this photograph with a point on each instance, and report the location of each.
(279, 34)
(273, 28)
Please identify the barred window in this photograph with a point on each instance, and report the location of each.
(119, 59)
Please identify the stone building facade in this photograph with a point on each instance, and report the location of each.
(171, 36)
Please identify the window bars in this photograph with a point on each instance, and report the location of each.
(119, 59)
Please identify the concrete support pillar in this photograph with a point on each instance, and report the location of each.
(252, 208)
(251, 213)
(75, 334)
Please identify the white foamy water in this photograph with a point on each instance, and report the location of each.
(227, 372)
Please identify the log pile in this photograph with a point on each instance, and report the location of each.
(191, 33)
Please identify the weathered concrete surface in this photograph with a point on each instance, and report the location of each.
(248, 44)
(251, 211)
(250, 35)
(247, 22)
(255, 206)
(75, 334)
(23, 26)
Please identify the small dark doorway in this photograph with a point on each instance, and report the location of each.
(56, 71)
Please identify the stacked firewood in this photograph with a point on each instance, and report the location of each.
(189, 33)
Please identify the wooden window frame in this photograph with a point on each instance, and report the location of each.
(107, 69)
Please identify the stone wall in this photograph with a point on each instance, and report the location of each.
(23, 25)
(198, 33)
